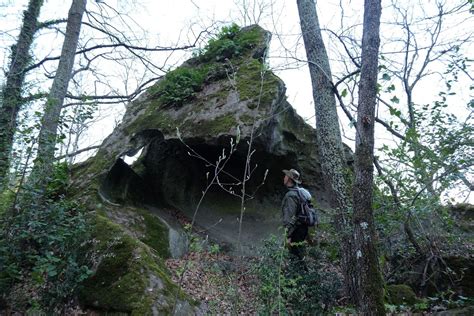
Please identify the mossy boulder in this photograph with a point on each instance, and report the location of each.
(129, 276)
(401, 294)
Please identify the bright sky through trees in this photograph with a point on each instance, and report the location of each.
(178, 23)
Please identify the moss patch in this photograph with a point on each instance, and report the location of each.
(252, 86)
(152, 118)
(399, 294)
(122, 280)
(92, 166)
(221, 124)
(247, 119)
(155, 234)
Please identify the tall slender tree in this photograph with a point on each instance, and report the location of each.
(11, 100)
(370, 278)
(329, 137)
(50, 121)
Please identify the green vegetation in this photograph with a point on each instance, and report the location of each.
(399, 294)
(152, 118)
(59, 180)
(122, 280)
(286, 288)
(155, 234)
(179, 85)
(42, 258)
(247, 119)
(230, 43)
(182, 84)
(253, 80)
(221, 124)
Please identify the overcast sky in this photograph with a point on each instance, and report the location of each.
(177, 22)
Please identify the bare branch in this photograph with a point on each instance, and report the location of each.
(77, 152)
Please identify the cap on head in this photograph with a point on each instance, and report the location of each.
(293, 175)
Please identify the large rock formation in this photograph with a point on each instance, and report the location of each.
(221, 102)
(228, 95)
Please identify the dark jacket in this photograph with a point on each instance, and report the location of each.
(290, 207)
(289, 210)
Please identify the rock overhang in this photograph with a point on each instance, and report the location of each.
(238, 98)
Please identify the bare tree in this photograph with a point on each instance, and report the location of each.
(11, 100)
(370, 277)
(329, 139)
(104, 43)
(49, 123)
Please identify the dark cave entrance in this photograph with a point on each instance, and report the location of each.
(169, 175)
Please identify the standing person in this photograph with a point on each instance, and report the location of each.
(296, 232)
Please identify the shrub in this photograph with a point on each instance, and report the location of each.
(223, 46)
(287, 288)
(42, 261)
(179, 86)
(230, 42)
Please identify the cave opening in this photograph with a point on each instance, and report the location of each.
(174, 174)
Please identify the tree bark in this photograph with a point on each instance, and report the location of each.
(370, 278)
(329, 138)
(49, 123)
(11, 94)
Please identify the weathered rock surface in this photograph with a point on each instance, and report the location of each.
(223, 97)
(237, 94)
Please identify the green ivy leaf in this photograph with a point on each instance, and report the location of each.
(344, 93)
(395, 112)
(395, 99)
(379, 87)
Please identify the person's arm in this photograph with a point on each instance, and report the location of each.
(289, 207)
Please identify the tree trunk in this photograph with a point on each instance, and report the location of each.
(49, 123)
(370, 278)
(329, 138)
(11, 94)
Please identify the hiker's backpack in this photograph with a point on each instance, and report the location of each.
(307, 214)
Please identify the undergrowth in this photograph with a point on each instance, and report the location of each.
(42, 261)
(291, 287)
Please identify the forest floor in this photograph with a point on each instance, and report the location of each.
(224, 284)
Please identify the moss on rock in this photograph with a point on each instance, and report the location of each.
(221, 124)
(256, 84)
(155, 234)
(399, 294)
(129, 278)
(179, 101)
(179, 85)
(152, 118)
